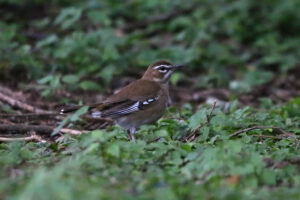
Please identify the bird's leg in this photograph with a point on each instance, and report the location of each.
(131, 133)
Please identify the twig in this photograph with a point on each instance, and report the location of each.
(70, 131)
(5, 121)
(267, 136)
(31, 116)
(279, 137)
(33, 136)
(22, 128)
(73, 131)
(9, 92)
(192, 135)
(48, 116)
(283, 133)
(272, 163)
(38, 129)
(280, 130)
(16, 103)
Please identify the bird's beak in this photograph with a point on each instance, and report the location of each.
(177, 66)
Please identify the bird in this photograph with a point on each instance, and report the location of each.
(141, 102)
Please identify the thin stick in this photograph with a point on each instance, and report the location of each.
(29, 138)
(280, 130)
(19, 104)
(9, 92)
(73, 131)
(5, 121)
(38, 129)
(31, 116)
(268, 136)
(70, 131)
(22, 128)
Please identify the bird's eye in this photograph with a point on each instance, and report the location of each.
(163, 70)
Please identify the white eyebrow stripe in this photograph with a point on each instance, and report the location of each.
(159, 66)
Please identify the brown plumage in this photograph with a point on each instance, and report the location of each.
(141, 102)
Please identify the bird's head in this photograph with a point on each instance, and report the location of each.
(160, 71)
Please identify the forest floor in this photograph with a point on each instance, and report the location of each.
(260, 147)
(232, 131)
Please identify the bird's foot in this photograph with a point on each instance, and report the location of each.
(131, 133)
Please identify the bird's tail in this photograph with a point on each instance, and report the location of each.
(75, 108)
(69, 109)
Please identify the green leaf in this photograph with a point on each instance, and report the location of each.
(61, 125)
(98, 16)
(89, 85)
(47, 41)
(113, 150)
(197, 119)
(68, 17)
(176, 76)
(187, 147)
(204, 133)
(92, 148)
(70, 79)
(71, 118)
(78, 113)
(246, 138)
(46, 79)
(269, 177)
(219, 120)
(107, 73)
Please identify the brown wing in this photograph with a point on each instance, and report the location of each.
(139, 90)
(132, 98)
